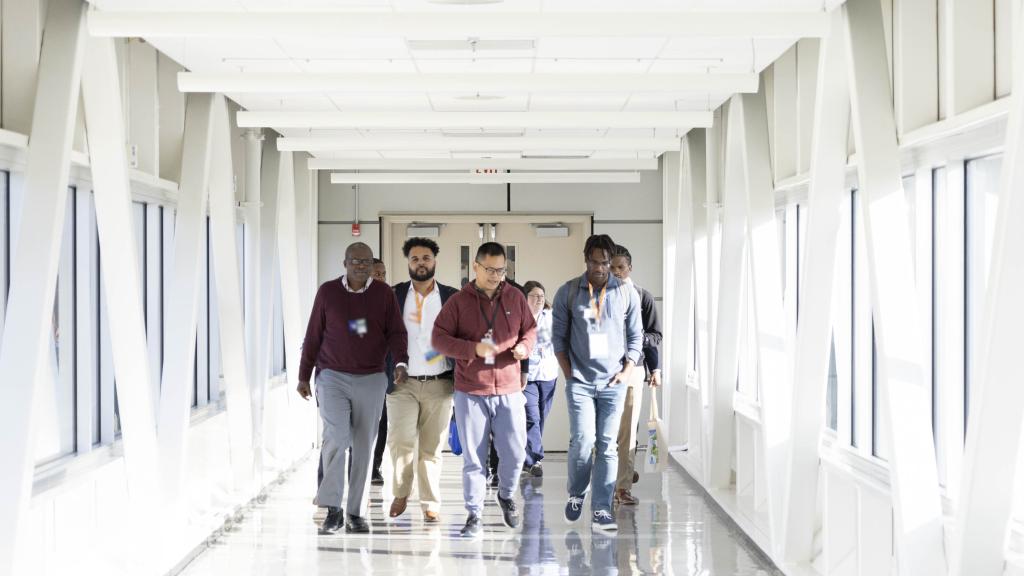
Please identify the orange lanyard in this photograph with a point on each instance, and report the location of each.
(420, 301)
(597, 304)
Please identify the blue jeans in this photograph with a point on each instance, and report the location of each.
(539, 396)
(594, 415)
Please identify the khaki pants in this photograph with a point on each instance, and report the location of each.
(627, 429)
(418, 418)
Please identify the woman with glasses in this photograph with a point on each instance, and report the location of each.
(541, 378)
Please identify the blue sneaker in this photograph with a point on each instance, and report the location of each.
(573, 509)
(603, 520)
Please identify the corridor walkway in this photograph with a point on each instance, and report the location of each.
(684, 537)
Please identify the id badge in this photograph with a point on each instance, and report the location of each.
(358, 327)
(598, 346)
(489, 359)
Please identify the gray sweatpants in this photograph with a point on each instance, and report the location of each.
(478, 418)
(350, 406)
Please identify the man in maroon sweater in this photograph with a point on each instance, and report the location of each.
(354, 323)
(487, 328)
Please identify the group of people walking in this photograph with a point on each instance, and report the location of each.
(491, 351)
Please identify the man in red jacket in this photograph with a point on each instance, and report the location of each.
(354, 323)
(487, 328)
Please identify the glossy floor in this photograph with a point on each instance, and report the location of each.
(671, 531)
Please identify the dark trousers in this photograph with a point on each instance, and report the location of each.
(540, 394)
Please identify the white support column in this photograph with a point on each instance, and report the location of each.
(696, 188)
(773, 364)
(253, 281)
(114, 222)
(709, 264)
(813, 337)
(917, 508)
(265, 270)
(291, 278)
(682, 265)
(29, 314)
(734, 241)
(671, 170)
(306, 233)
(183, 295)
(229, 302)
(997, 400)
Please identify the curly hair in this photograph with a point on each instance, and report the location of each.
(421, 243)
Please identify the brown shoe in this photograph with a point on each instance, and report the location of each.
(431, 517)
(398, 507)
(626, 498)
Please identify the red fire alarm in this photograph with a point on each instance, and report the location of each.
(355, 229)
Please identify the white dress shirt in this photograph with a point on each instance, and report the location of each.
(419, 323)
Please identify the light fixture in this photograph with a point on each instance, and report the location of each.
(461, 123)
(553, 230)
(445, 24)
(477, 86)
(477, 160)
(436, 143)
(485, 178)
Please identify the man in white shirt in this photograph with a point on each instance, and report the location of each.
(420, 409)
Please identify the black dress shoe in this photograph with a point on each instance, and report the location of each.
(356, 525)
(332, 523)
(377, 479)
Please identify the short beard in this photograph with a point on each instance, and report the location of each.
(421, 278)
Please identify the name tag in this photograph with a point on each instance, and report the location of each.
(358, 327)
(598, 346)
(489, 359)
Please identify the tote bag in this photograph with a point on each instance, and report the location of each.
(657, 444)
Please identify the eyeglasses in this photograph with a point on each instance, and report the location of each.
(536, 296)
(493, 271)
(361, 261)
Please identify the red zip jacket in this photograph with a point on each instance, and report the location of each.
(461, 325)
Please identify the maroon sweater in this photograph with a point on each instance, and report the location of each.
(460, 326)
(332, 338)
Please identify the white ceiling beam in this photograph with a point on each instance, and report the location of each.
(459, 25)
(475, 178)
(471, 144)
(427, 164)
(484, 120)
(301, 83)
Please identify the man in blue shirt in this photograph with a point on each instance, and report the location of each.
(597, 337)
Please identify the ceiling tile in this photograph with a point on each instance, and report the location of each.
(480, 65)
(466, 102)
(598, 48)
(347, 48)
(578, 66)
(577, 101)
(387, 101)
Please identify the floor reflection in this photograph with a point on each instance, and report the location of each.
(671, 531)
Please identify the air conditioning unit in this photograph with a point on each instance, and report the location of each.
(551, 230)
